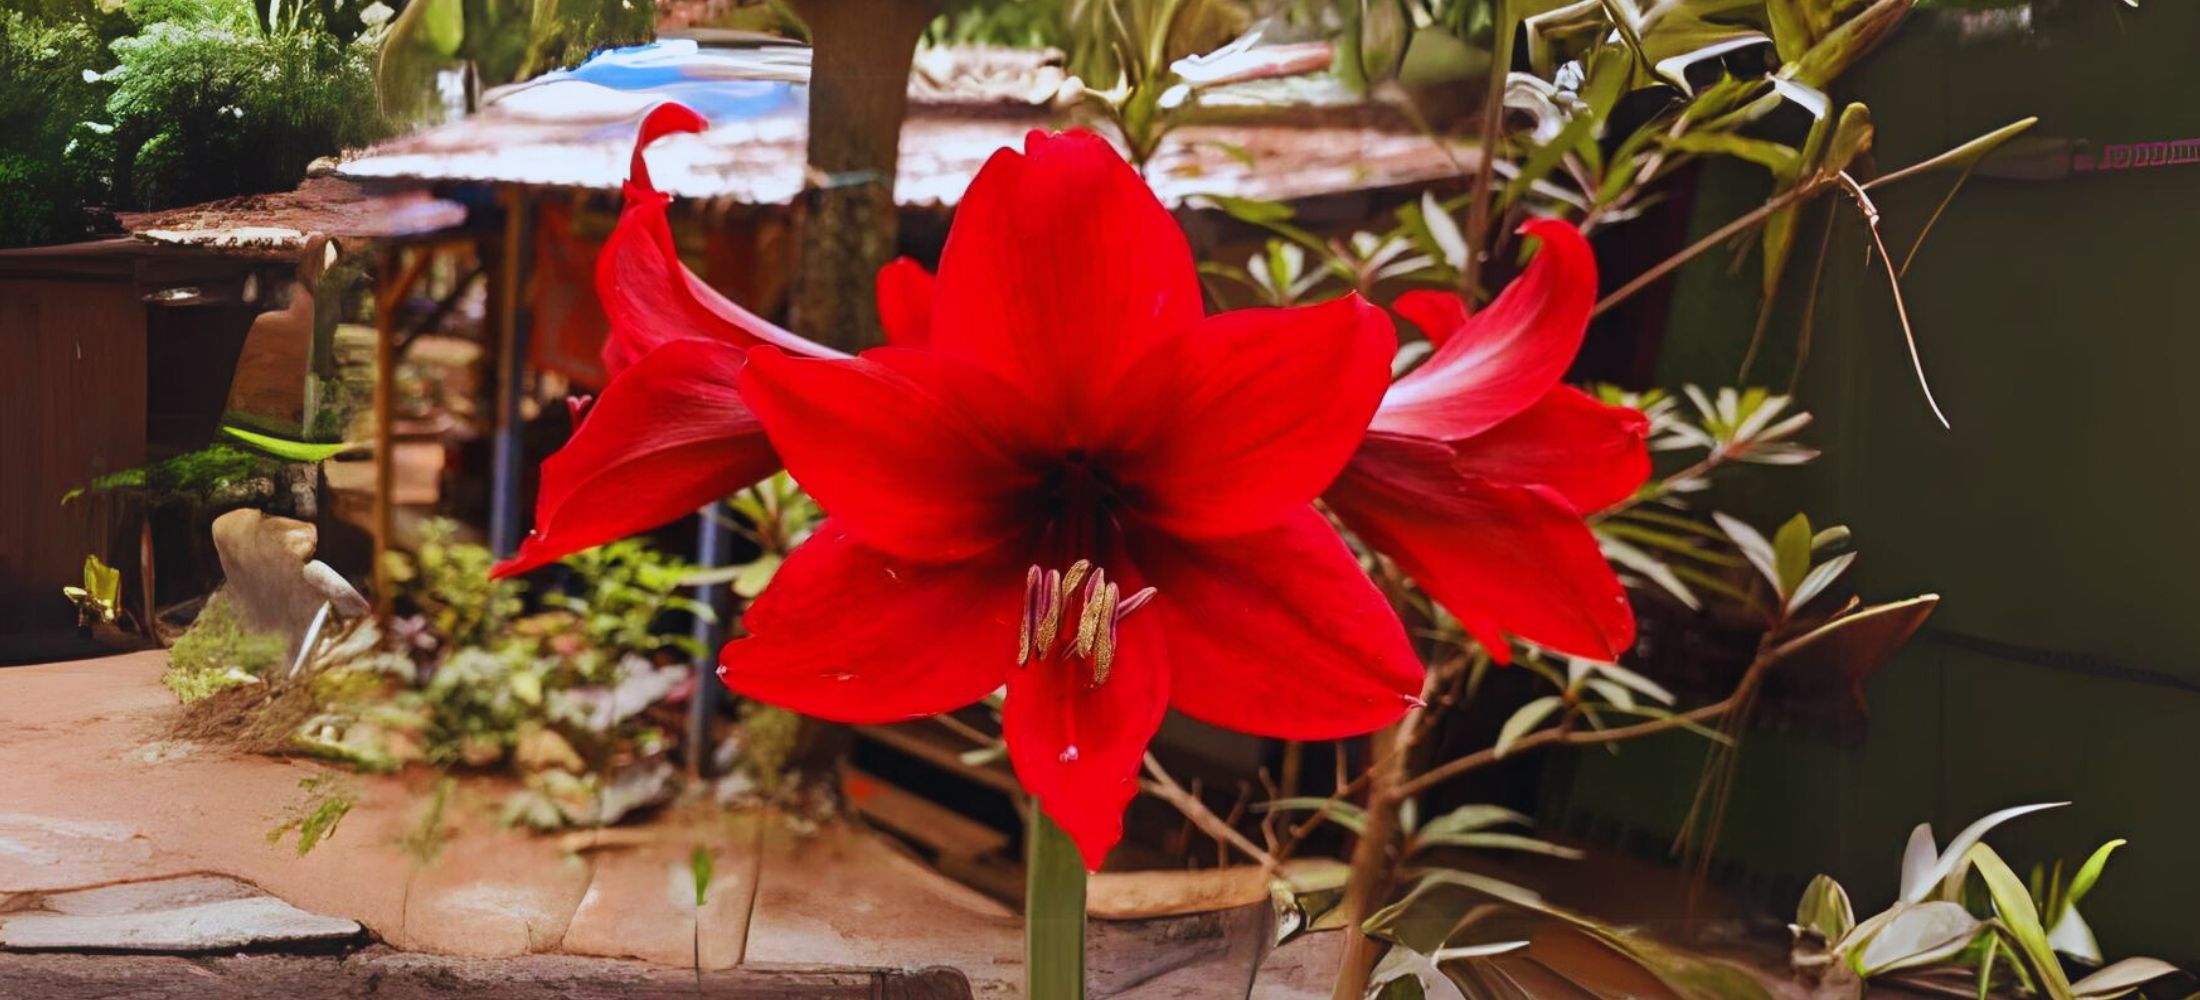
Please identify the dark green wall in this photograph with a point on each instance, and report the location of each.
(2060, 322)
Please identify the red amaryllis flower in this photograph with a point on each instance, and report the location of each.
(1081, 487)
(1061, 476)
(1479, 465)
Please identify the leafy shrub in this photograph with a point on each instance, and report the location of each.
(564, 695)
(208, 101)
(218, 652)
(43, 95)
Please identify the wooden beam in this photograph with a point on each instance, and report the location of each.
(382, 974)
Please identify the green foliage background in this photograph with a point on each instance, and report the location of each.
(154, 103)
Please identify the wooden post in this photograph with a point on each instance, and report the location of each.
(507, 510)
(390, 287)
(713, 540)
(859, 94)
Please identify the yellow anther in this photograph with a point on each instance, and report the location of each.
(1103, 648)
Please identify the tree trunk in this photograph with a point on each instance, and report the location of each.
(859, 93)
(860, 51)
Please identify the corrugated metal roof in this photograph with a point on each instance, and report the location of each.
(275, 225)
(575, 129)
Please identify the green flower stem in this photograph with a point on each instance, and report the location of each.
(1054, 912)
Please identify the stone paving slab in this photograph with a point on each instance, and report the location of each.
(191, 913)
(93, 791)
(641, 901)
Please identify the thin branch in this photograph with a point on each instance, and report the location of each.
(1441, 773)
(1696, 249)
(1894, 282)
(1167, 790)
(1493, 120)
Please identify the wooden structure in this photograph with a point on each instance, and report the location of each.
(121, 352)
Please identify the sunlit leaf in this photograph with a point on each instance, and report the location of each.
(1791, 554)
(1771, 155)
(2013, 904)
(1961, 157)
(1820, 577)
(1852, 136)
(283, 448)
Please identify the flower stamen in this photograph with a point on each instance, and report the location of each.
(1101, 608)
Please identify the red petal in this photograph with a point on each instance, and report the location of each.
(905, 302)
(1437, 314)
(1278, 633)
(668, 435)
(1060, 271)
(851, 634)
(1240, 424)
(661, 121)
(1594, 455)
(1505, 559)
(1053, 706)
(1507, 356)
(650, 297)
(919, 456)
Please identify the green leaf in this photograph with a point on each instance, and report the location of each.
(1791, 32)
(1649, 566)
(443, 25)
(1425, 917)
(1825, 910)
(1498, 841)
(2013, 904)
(1819, 579)
(1851, 138)
(1252, 210)
(1916, 886)
(2090, 872)
(1752, 545)
(1961, 157)
(1842, 47)
(1524, 721)
(1791, 554)
(1340, 812)
(283, 448)
(755, 576)
(1468, 818)
(699, 869)
(1773, 156)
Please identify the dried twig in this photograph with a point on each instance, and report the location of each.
(1165, 788)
